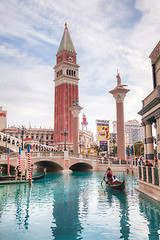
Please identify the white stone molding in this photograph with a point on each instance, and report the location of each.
(75, 110)
(66, 81)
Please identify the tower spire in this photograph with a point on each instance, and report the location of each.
(66, 42)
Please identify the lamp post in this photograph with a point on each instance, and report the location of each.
(22, 131)
(65, 133)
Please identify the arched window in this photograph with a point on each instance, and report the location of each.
(67, 71)
(74, 73)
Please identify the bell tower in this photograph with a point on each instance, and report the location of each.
(66, 77)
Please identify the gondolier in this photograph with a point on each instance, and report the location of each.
(109, 173)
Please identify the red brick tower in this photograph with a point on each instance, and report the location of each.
(66, 89)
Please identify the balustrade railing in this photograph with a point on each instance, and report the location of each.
(149, 174)
(112, 161)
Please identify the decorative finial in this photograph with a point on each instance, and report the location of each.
(65, 25)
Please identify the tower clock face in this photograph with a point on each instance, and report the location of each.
(70, 59)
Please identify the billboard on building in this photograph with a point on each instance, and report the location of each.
(102, 130)
(104, 145)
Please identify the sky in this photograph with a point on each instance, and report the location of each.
(107, 35)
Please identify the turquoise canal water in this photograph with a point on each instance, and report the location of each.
(75, 206)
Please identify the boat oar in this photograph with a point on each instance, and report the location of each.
(103, 178)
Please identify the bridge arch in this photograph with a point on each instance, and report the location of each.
(81, 166)
(49, 165)
(3, 169)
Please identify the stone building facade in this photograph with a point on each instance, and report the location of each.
(133, 131)
(41, 135)
(150, 111)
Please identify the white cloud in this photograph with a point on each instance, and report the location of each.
(106, 34)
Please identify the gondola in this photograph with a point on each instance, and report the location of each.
(39, 177)
(13, 177)
(117, 185)
(5, 178)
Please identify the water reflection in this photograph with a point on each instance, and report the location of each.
(74, 206)
(151, 212)
(27, 207)
(12, 199)
(65, 210)
(123, 210)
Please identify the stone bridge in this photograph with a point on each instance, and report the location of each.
(52, 161)
(59, 161)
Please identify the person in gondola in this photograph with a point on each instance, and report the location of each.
(109, 175)
(114, 179)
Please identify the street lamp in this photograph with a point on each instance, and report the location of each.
(65, 133)
(22, 131)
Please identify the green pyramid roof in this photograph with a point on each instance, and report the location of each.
(66, 42)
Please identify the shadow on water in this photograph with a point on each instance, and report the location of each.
(124, 210)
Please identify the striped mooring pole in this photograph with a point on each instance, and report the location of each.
(8, 165)
(19, 159)
(29, 165)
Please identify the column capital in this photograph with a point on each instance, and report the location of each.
(143, 124)
(157, 115)
(146, 122)
(75, 110)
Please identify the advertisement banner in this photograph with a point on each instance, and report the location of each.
(104, 145)
(103, 133)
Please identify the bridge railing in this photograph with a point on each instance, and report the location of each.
(149, 174)
(12, 155)
(45, 154)
(78, 155)
(113, 161)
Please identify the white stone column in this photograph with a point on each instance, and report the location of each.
(75, 111)
(147, 175)
(119, 93)
(158, 139)
(144, 141)
(149, 141)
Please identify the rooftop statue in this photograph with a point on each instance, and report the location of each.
(75, 103)
(118, 79)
